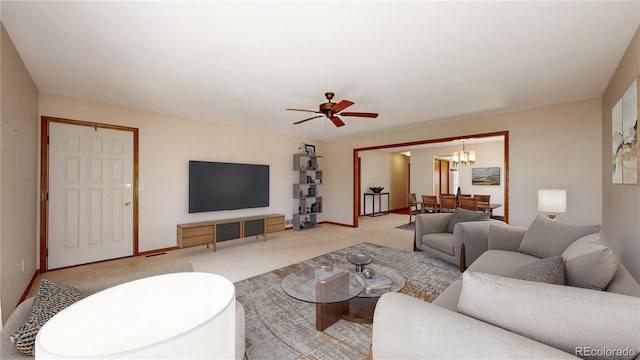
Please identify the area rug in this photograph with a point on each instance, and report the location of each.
(280, 327)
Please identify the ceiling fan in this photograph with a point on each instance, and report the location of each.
(331, 110)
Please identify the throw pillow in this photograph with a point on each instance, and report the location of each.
(50, 299)
(546, 237)
(589, 263)
(548, 270)
(567, 318)
(464, 215)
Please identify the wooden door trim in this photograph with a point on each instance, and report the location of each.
(504, 134)
(44, 179)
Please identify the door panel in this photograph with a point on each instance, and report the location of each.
(90, 212)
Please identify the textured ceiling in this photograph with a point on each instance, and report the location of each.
(245, 62)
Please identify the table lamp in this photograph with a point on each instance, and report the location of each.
(552, 201)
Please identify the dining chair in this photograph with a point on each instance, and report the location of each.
(429, 203)
(413, 203)
(448, 203)
(482, 199)
(469, 203)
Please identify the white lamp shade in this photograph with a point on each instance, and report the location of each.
(552, 200)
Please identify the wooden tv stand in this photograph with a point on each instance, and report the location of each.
(212, 232)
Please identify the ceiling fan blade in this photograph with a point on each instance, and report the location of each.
(304, 120)
(337, 121)
(313, 111)
(360, 114)
(341, 106)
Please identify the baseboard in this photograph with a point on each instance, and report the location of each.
(151, 252)
(28, 289)
(335, 223)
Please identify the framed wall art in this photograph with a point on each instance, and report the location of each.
(485, 176)
(625, 165)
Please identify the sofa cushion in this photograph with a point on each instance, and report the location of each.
(589, 263)
(501, 262)
(546, 237)
(439, 241)
(50, 299)
(571, 319)
(548, 270)
(464, 215)
(505, 237)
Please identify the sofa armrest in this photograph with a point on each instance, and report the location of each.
(506, 237)
(430, 224)
(475, 237)
(408, 328)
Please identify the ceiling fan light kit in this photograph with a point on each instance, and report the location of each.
(332, 110)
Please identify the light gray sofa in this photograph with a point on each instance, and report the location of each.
(488, 314)
(460, 247)
(21, 312)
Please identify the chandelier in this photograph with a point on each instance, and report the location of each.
(463, 157)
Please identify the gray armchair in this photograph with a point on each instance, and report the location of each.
(462, 247)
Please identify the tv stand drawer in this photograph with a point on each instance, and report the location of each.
(212, 232)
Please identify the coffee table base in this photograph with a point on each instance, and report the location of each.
(357, 310)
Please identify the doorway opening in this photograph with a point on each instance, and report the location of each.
(400, 147)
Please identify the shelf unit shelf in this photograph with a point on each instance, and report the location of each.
(306, 191)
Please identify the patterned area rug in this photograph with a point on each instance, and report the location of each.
(280, 327)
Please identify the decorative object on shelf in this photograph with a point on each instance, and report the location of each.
(377, 189)
(309, 179)
(463, 157)
(485, 176)
(310, 165)
(368, 273)
(552, 201)
(311, 192)
(310, 149)
(359, 260)
(313, 208)
(299, 209)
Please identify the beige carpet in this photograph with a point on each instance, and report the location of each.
(244, 258)
(280, 327)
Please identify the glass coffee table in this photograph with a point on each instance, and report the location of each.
(337, 293)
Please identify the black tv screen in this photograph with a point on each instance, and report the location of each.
(217, 186)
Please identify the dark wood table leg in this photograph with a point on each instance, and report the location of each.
(360, 310)
(329, 314)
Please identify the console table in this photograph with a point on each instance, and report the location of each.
(373, 203)
(212, 232)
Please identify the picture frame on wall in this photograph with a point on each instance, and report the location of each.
(310, 149)
(625, 155)
(485, 176)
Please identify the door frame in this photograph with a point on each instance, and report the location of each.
(357, 170)
(44, 179)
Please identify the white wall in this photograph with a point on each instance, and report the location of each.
(19, 177)
(621, 203)
(167, 143)
(376, 170)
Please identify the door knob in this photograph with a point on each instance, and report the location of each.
(127, 203)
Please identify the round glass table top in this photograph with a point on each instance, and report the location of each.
(321, 285)
(325, 285)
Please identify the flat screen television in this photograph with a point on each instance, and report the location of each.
(215, 186)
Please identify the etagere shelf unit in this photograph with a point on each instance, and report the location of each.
(306, 191)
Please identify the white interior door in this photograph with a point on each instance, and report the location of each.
(90, 212)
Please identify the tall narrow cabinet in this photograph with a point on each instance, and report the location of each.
(306, 191)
